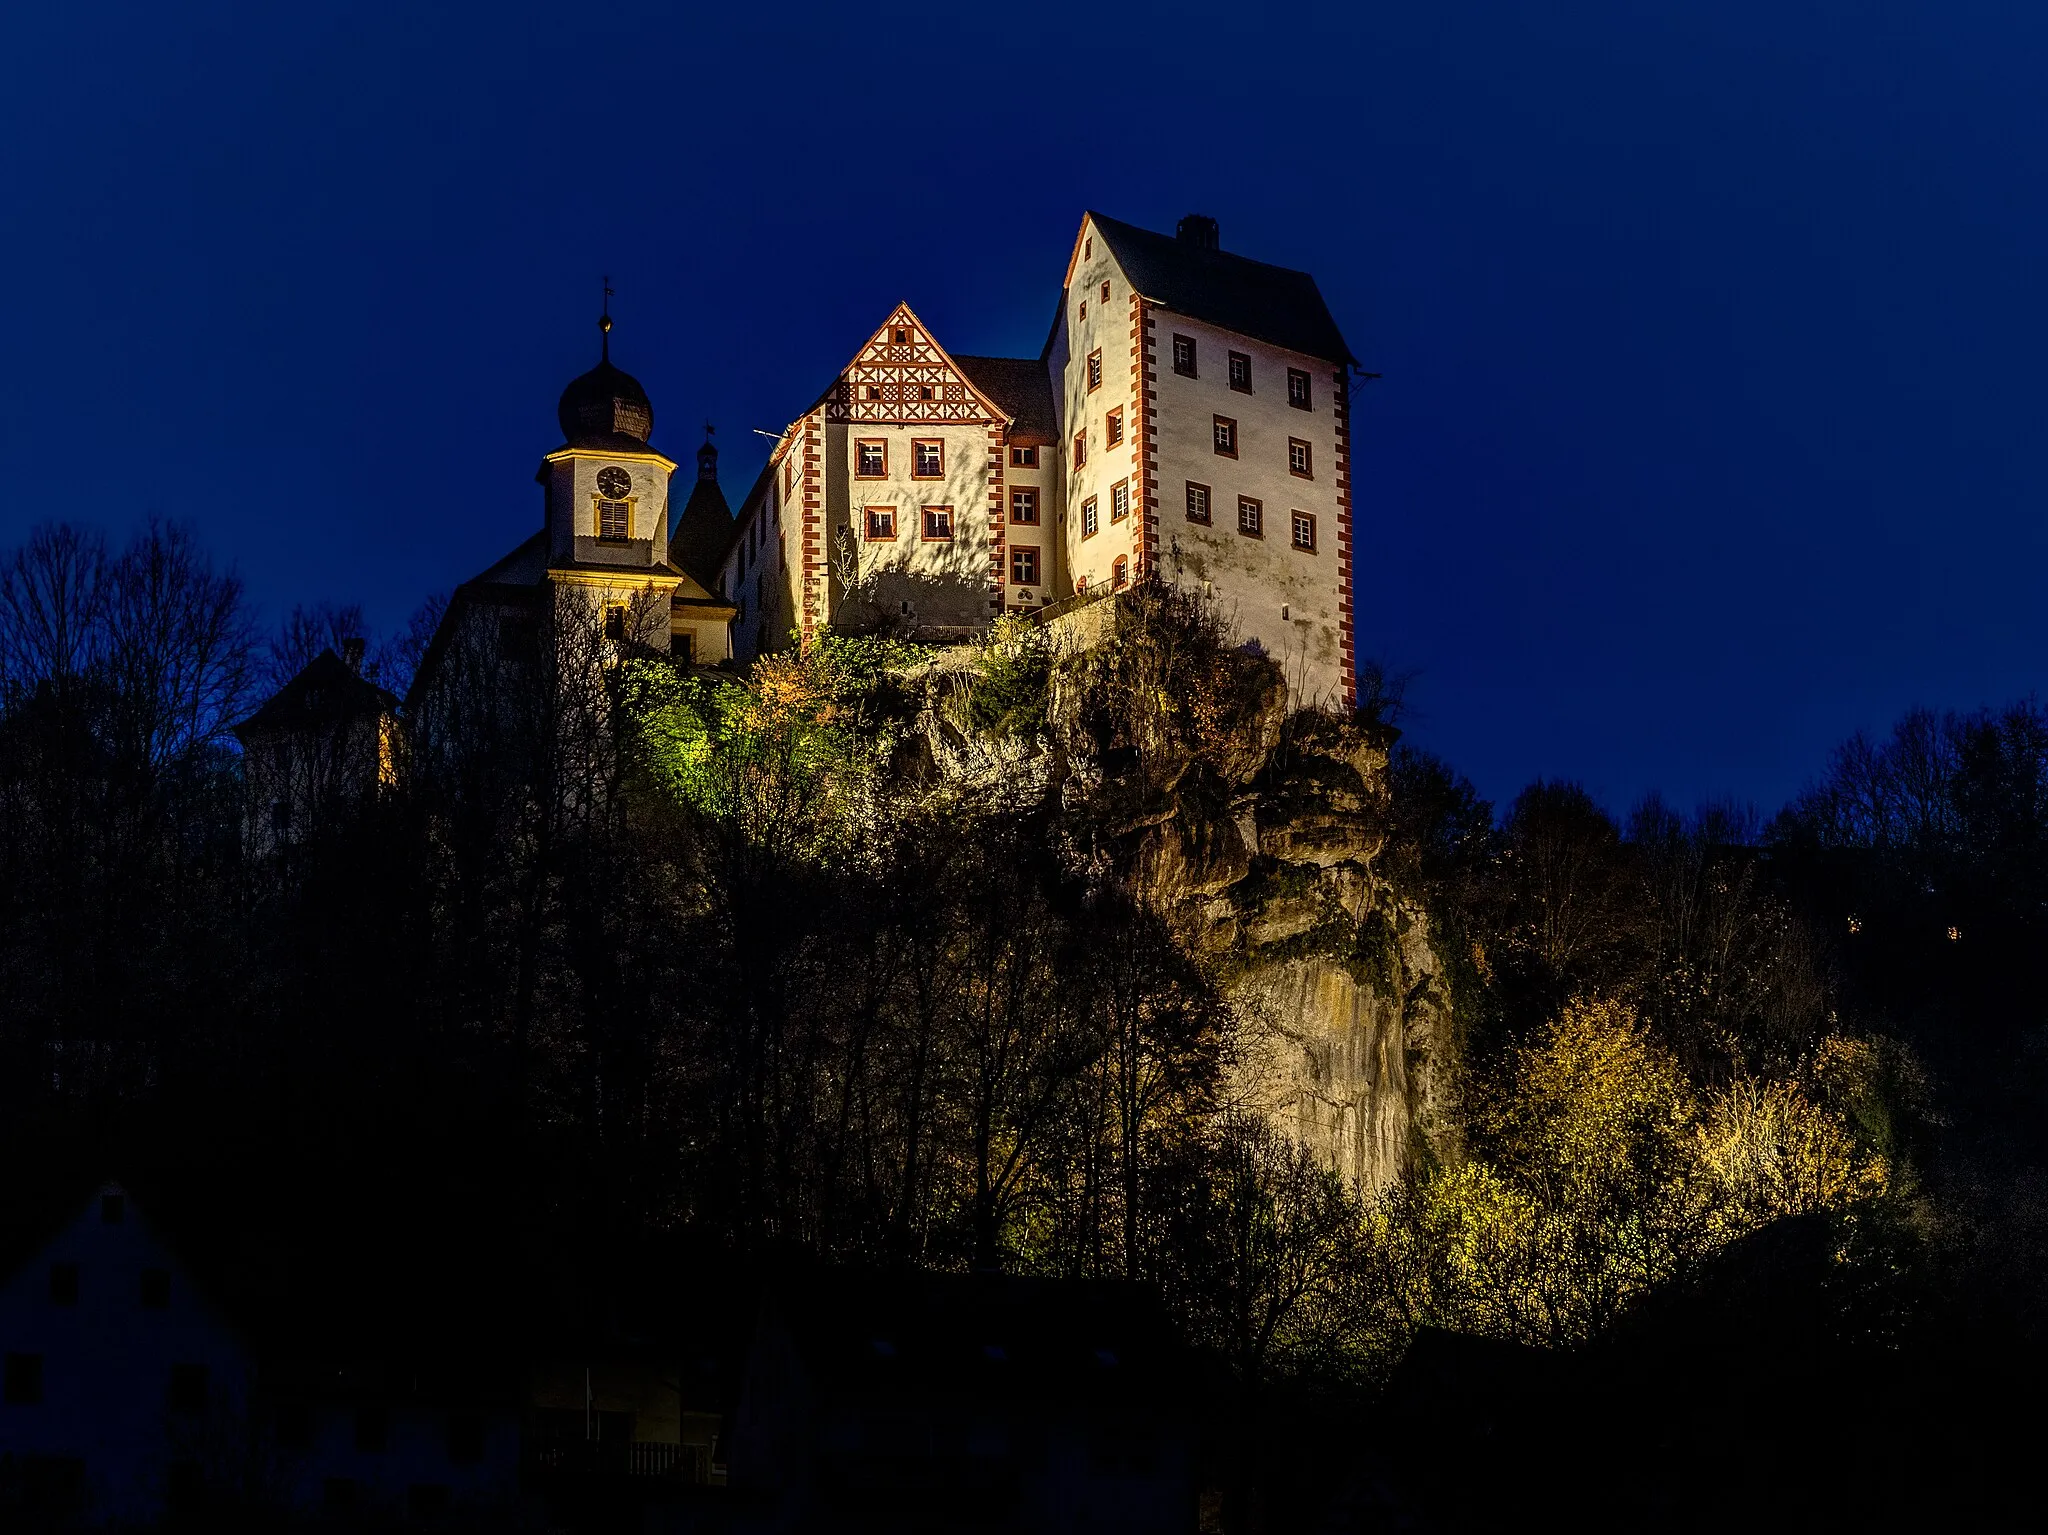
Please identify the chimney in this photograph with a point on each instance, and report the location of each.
(352, 654)
(1199, 230)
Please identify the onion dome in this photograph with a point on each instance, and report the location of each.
(606, 405)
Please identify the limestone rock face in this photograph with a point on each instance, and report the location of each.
(1348, 1034)
(1259, 836)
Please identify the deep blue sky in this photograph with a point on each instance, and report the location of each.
(1714, 334)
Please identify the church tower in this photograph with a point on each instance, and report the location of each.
(607, 490)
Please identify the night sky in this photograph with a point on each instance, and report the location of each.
(1713, 334)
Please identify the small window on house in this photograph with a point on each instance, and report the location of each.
(113, 1209)
(465, 1438)
(1120, 574)
(881, 523)
(1198, 503)
(1113, 427)
(924, 392)
(155, 1288)
(1105, 290)
(22, 1382)
(938, 524)
(1240, 373)
(1088, 249)
(63, 1284)
(1119, 500)
(1088, 520)
(1023, 504)
(1251, 517)
(373, 1430)
(903, 335)
(1299, 464)
(1305, 531)
(1080, 449)
(870, 459)
(615, 621)
(1095, 369)
(187, 1393)
(1024, 458)
(872, 392)
(682, 645)
(1023, 565)
(1297, 390)
(1084, 311)
(1184, 356)
(1226, 436)
(426, 1500)
(294, 1430)
(927, 459)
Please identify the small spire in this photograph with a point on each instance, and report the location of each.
(604, 323)
(707, 456)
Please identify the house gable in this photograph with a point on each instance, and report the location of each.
(903, 375)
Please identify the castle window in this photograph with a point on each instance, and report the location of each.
(1119, 574)
(1299, 463)
(938, 524)
(1105, 290)
(1023, 504)
(881, 523)
(927, 459)
(1184, 356)
(1251, 517)
(870, 459)
(1088, 249)
(1297, 389)
(615, 621)
(1080, 449)
(1226, 436)
(1240, 373)
(63, 1284)
(1095, 369)
(1305, 531)
(1198, 503)
(614, 519)
(1113, 427)
(1024, 458)
(1084, 311)
(1119, 500)
(1023, 565)
(1088, 520)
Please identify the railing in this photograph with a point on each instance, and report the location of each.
(618, 1457)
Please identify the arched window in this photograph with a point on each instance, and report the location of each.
(1119, 573)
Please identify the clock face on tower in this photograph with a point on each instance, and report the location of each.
(613, 484)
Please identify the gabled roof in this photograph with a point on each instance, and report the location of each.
(324, 691)
(1267, 303)
(698, 541)
(1022, 389)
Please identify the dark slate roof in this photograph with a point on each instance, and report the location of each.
(324, 690)
(1022, 387)
(1234, 293)
(698, 541)
(606, 408)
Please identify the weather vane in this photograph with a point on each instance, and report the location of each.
(604, 320)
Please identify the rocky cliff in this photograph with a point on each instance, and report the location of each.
(1259, 835)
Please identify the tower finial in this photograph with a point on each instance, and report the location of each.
(604, 322)
(707, 456)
